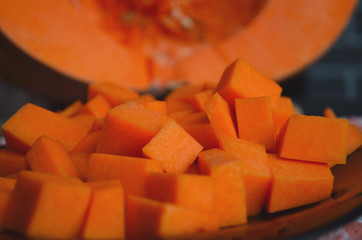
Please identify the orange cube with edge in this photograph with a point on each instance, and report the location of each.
(81, 161)
(203, 133)
(156, 105)
(81, 153)
(29, 123)
(7, 184)
(312, 138)
(285, 106)
(55, 206)
(282, 112)
(255, 121)
(297, 183)
(105, 215)
(88, 144)
(112, 92)
(195, 192)
(72, 109)
(147, 219)
(96, 107)
(130, 171)
(199, 99)
(354, 136)
(240, 80)
(256, 173)
(173, 147)
(221, 118)
(4, 201)
(129, 127)
(227, 172)
(84, 119)
(49, 156)
(11, 162)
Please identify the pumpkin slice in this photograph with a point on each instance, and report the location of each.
(138, 43)
(58, 34)
(287, 36)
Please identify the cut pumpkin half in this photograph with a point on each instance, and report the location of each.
(143, 43)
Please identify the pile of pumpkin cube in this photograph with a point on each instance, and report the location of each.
(124, 165)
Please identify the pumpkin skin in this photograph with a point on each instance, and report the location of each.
(84, 40)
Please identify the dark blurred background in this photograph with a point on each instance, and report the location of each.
(335, 80)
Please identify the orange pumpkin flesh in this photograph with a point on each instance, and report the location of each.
(140, 43)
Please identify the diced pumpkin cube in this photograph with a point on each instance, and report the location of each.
(240, 80)
(11, 162)
(88, 144)
(7, 184)
(199, 99)
(30, 122)
(84, 119)
(186, 117)
(55, 207)
(180, 99)
(130, 171)
(227, 172)
(105, 215)
(180, 116)
(72, 109)
(147, 97)
(194, 192)
(193, 169)
(281, 113)
(81, 161)
(329, 112)
(97, 107)
(184, 92)
(255, 121)
(173, 147)
(147, 219)
(98, 124)
(4, 202)
(354, 136)
(208, 85)
(49, 156)
(156, 105)
(279, 120)
(177, 105)
(297, 183)
(220, 116)
(285, 106)
(256, 173)
(203, 133)
(129, 127)
(313, 138)
(112, 92)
